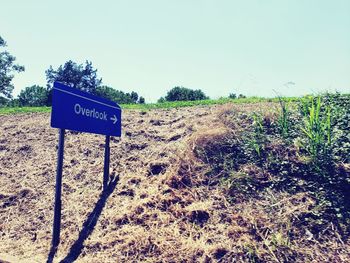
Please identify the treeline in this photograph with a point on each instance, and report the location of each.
(185, 94)
(39, 96)
(81, 76)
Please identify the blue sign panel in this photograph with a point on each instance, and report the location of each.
(76, 110)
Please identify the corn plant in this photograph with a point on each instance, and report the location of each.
(283, 119)
(317, 130)
(258, 138)
(258, 123)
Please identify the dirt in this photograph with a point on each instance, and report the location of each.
(159, 206)
(148, 149)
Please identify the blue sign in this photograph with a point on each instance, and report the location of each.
(76, 110)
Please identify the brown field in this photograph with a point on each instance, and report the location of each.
(151, 214)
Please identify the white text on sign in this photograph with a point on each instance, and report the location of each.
(93, 113)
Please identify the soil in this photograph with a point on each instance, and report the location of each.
(148, 149)
(160, 204)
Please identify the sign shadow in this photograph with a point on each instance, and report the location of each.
(88, 225)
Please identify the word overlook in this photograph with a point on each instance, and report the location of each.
(90, 113)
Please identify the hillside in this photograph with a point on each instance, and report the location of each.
(169, 198)
(147, 151)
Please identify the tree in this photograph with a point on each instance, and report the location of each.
(13, 103)
(134, 96)
(33, 96)
(117, 95)
(7, 70)
(142, 100)
(197, 95)
(4, 101)
(183, 94)
(232, 96)
(161, 100)
(75, 75)
(106, 92)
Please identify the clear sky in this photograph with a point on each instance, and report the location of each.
(252, 47)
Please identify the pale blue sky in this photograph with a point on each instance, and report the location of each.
(222, 46)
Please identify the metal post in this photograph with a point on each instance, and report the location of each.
(58, 203)
(106, 164)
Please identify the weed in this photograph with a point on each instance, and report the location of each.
(251, 252)
(283, 119)
(317, 128)
(261, 162)
(258, 138)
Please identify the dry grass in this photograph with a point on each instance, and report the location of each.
(163, 208)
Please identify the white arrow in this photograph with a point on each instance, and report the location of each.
(114, 119)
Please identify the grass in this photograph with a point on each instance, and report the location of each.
(14, 110)
(217, 200)
(150, 106)
(318, 129)
(283, 119)
(294, 210)
(180, 104)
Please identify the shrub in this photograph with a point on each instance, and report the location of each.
(161, 100)
(3, 101)
(142, 100)
(33, 96)
(185, 94)
(318, 131)
(117, 95)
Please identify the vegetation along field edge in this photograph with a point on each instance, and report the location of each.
(149, 106)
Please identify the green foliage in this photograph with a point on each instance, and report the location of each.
(2, 42)
(167, 105)
(107, 93)
(14, 103)
(317, 128)
(232, 96)
(284, 118)
(33, 96)
(339, 105)
(134, 97)
(3, 102)
(79, 76)
(185, 94)
(257, 138)
(247, 163)
(17, 109)
(117, 95)
(161, 100)
(7, 70)
(142, 100)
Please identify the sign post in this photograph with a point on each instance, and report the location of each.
(58, 203)
(106, 164)
(76, 110)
